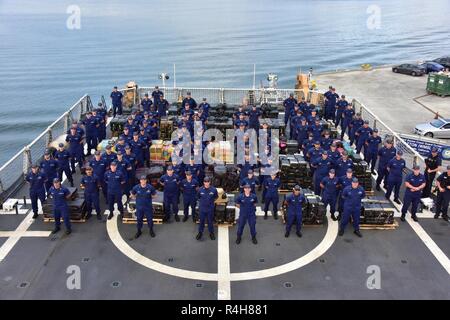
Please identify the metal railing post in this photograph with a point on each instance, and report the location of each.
(49, 138)
(374, 123)
(66, 122)
(222, 95)
(26, 160)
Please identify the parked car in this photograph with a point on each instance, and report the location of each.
(444, 61)
(431, 66)
(438, 128)
(410, 69)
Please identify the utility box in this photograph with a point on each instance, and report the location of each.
(439, 84)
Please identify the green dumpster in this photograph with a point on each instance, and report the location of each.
(438, 84)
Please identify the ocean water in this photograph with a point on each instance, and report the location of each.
(45, 66)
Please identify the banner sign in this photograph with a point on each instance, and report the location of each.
(423, 147)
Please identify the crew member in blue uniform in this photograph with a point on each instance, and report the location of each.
(205, 106)
(189, 188)
(116, 98)
(316, 129)
(301, 132)
(288, 104)
(347, 117)
(137, 146)
(294, 203)
(99, 168)
(90, 183)
(341, 105)
(63, 158)
(271, 186)
(326, 141)
(343, 164)
(343, 182)
(75, 148)
(246, 202)
(156, 95)
(92, 126)
(146, 103)
(355, 124)
(206, 195)
(190, 101)
(394, 182)
(60, 195)
(329, 187)
(102, 116)
(162, 106)
(49, 166)
(414, 183)
(170, 182)
(253, 118)
(362, 134)
(372, 144)
(125, 167)
(36, 180)
(385, 154)
(322, 166)
(443, 197)
(127, 135)
(115, 181)
(330, 105)
(432, 165)
(143, 193)
(251, 181)
(352, 196)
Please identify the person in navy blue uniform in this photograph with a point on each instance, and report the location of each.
(170, 182)
(432, 165)
(343, 164)
(206, 195)
(443, 197)
(246, 202)
(347, 117)
(36, 180)
(99, 168)
(60, 195)
(120, 146)
(156, 95)
(90, 183)
(385, 154)
(143, 193)
(205, 106)
(321, 167)
(394, 182)
(414, 183)
(125, 167)
(137, 146)
(189, 188)
(75, 148)
(131, 125)
(301, 132)
(329, 186)
(63, 158)
(343, 182)
(102, 116)
(326, 141)
(49, 166)
(314, 152)
(115, 181)
(316, 129)
(162, 106)
(304, 107)
(362, 134)
(352, 196)
(271, 186)
(294, 203)
(341, 105)
(131, 158)
(116, 98)
(190, 101)
(355, 124)
(253, 118)
(372, 145)
(146, 103)
(330, 105)
(92, 125)
(251, 181)
(288, 104)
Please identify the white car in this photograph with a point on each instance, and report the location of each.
(438, 128)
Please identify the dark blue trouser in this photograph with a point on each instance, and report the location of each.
(189, 202)
(34, 196)
(92, 201)
(117, 110)
(207, 215)
(170, 204)
(345, 128)
(394, 184)
(49, 183)
(76, 157)
(354, 213)
(317, 179)
(291, 217)
(62, 211)
(245, 218)
(67, 171)
(338, 118)
(372, 159)
(409, 199)
(268, 199)
(442, 202)
(329, 200)
(360, 145)
(148, 213)
(115, 198)
(341, 203)
(91, 142)
(383, 175)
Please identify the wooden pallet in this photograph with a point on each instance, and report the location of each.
(392, 226)
(62, 220)
(218, 224)
(134, 221)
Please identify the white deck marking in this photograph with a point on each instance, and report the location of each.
(223, 264)
(20, 232)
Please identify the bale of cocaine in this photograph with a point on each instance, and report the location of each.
(294, 170)
(377, 211)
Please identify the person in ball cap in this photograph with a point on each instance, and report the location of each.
(75, 142)
(116, 98)
(36, 180)
(316, 129)
(207, 195)
(60, 195)
(137, 146)
(189, 188)
(301, 131)
(443, 197)
(395, 178)
(343, 182)
(329, 186)
(362, 134)
(246, 202)
(205, 106)
(125, 167)
(314, 153)
(99, 167)
(288, 104)
(115, 181)
(321, 167)
(326, 141)
(385, 154)
(90, 184)
(156, 95)
(251, 181)
(253, 118)
(189, 101)
(49, 166)
(108, 156)
(373, 143)
(271, 188)
(162, 106)
(341, 105)
(432, 165)
(146, 103)
(294, 203)
(63, 158)
(352, 196)
(143, 193)
(170, 182)
(414, 184)
(342, 164)
(356, 123)
(347, 117)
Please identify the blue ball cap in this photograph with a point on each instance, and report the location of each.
(56, 180)
(448, 167)
(434, 149)
(143, 177)
(207, 179)
(366, 121)
(169, 168)
(250, 172)
(332, 171)
(325, 152)
(375, 130)
(108, 147)
(416, 167)
(188, 173)
(98, 153)
(349, 170)
(317, 142)
(61, 145)
(135, 133)
(128, 147)
(400, 152)
(247, 186)
(355, 180)
(297, 188)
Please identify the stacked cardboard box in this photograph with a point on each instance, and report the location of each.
(166, 128)
(161, 151)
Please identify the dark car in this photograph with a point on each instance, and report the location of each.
(431, 66)
(410, 69)
(445, 61)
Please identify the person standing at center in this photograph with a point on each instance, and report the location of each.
(246, 202)
(207, 195)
